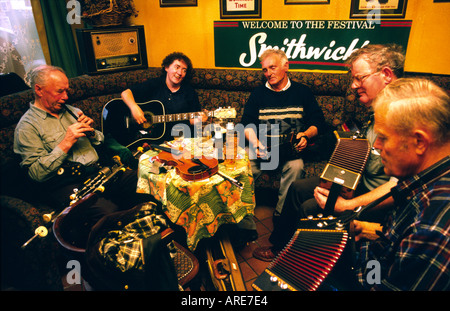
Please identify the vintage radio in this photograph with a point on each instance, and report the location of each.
(112, 49)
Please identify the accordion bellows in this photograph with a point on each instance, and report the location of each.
(304, 262)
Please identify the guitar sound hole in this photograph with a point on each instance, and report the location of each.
(148, 116)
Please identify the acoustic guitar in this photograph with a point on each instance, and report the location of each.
(120, 124)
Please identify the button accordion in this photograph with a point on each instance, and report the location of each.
(308, 258)
(343, 171)
(319, 243)
(347, 162)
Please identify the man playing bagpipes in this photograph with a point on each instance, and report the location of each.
(60, 151)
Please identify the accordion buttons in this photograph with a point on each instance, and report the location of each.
(283, 285)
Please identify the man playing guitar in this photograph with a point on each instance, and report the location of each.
(171, 89)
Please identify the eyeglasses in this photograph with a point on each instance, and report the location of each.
(361, 78)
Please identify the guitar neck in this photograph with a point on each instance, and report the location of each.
(179, 116)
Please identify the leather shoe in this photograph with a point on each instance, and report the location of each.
(265, 253)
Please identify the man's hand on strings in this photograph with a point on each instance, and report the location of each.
(138, 114)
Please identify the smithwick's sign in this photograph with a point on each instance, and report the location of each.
(308, 44)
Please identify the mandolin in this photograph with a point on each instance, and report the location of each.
(120, 124)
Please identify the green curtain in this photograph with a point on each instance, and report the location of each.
(61, 43)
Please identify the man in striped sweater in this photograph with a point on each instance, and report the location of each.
(274, 111)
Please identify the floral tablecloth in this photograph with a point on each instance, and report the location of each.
(200, 207)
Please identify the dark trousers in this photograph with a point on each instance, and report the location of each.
(299, 204)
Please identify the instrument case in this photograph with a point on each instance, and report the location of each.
(222, 269)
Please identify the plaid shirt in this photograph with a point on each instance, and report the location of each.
(414, 253)
(123, 249)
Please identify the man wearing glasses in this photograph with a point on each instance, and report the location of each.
(372, 68)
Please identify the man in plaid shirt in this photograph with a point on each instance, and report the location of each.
(412, 120)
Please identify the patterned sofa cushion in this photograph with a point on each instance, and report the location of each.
(215, 87)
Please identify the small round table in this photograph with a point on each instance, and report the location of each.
(200, 207)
